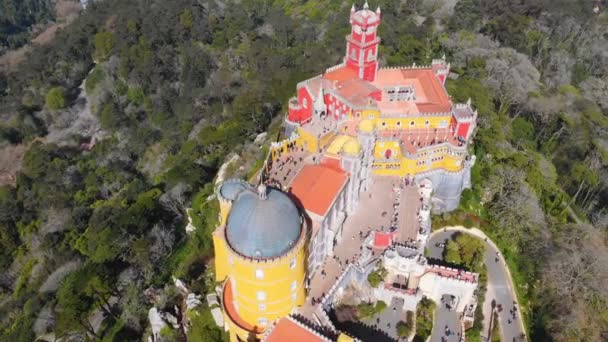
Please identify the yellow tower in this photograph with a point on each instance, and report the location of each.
(260, 255)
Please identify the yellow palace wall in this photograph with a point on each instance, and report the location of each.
(280, 279)
(400, 165)
(419, 122)
(282, 285)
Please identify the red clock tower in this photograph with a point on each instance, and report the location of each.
(362, 43)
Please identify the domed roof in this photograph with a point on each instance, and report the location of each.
(366, 126)
(231, 188)
(352, 146)
(263, 226)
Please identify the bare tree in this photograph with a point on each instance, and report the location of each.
(575, 276)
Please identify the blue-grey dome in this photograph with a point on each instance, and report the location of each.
(263, 227)
(231, 188)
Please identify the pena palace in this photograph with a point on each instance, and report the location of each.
(368, 152)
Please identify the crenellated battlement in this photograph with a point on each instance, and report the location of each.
(453, 274)
(306, 82)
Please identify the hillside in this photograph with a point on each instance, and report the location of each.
(130, 111)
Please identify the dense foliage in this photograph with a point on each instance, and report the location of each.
(17, 17)
(466, 251)
(425, 314)
(366, 310)
(172, 87)
(405, 328)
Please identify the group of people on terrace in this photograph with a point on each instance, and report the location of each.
(282, 167)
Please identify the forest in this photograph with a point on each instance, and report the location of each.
(127, 115)
(18, 19)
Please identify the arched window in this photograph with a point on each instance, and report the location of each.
(370, 55)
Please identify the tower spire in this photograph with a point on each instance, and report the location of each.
(378, 10)
(366, 5)
(352, 9)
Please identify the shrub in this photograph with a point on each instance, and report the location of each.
(96, 76)
(368, 309)
(376, 277)
(405, 329)
(55, 99)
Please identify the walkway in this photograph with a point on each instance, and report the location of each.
(446, 319)
(500, 283)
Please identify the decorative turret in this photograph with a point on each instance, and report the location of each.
(362, 43)
(441, 69)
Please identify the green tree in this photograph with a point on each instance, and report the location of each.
(375, 277)
(523, 132)
(425, 313)
(466, 250)
(186, 19)
(370, 309)
(55, 99)
(405, 328)
(104, 44)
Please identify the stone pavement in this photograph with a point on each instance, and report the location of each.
(445, 317)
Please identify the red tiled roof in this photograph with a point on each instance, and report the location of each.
(288, 330)
(431, 97)
(317, 186)
(382, 240)
(232, 312)
(340, 74)
(356, 91)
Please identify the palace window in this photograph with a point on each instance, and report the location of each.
(262, 321)
(427, 123)
(294, 285)
(261, 295)
(259, 274)
(294, 296)
(370, 56)
(398, 123)
(262, 307)
(391, 94)
(292, 263)
(412, 123)
(383, 123)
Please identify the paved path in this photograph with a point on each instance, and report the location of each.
(500, 283)
(445, 318)
(387, 319)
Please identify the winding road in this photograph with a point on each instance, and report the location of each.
(500, 284)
